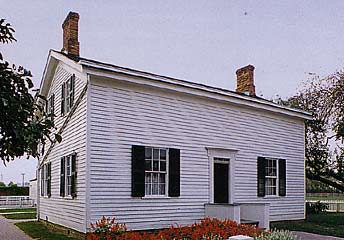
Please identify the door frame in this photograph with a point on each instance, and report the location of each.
(222, 153)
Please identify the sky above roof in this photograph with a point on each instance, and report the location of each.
(199, 41)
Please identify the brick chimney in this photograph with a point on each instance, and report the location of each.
(245, 80)
(70, 34)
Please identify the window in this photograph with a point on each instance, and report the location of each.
(50, 107)
(67, 95)
(68, 176)
(45, 173)
(271, 177)
(155, 171)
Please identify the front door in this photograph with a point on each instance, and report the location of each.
(221, 167)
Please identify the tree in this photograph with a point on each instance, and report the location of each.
(324, 98)
(12, 185)
(2, 184)
(23, 123)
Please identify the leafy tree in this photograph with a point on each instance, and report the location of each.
(2, 184)
(324, 98)
(23, 123)
(12, 185)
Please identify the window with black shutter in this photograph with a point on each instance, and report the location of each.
(155, 171)
(67, 95)
(68, 176)
(271, 177)
(50, 107)
(45, 183)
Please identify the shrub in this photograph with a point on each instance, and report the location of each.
(207, 229)
(277, 235)
(316, 207)
(106, 229)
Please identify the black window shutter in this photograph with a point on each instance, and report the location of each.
(63, 98)
(62, 177)
(174, 173)
(49, 180)
(52, 107)
(72, 82)
(42, 180)
(47, 106)
(261, 176)
(137, 171)
(73, 177)
(282, 190)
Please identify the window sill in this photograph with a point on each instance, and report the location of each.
(67, 197)
(155, 197)
(272, 197)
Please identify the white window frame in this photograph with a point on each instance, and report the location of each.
(267, 176)
(159, 172)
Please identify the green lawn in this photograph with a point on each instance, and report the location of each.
(38, 230)
(323, 223)
(17, 210)
(20, 216)
(325, 198)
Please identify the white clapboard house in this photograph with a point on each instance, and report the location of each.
(153, 151)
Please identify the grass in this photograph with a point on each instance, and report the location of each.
(325, 198)
(20, 216)
(9, 210)
(323, 223)
(38, 230)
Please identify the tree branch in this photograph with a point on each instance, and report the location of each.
(326, 181)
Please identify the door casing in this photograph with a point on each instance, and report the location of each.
(222, 153)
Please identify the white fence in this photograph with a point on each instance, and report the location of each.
(333, 205)
(16, 201)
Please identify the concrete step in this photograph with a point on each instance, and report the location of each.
(250, 222)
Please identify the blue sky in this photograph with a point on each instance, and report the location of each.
(199, 41)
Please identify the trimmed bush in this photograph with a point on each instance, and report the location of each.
(315, 208)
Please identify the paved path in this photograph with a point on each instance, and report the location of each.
(311, 236)
(10, 232)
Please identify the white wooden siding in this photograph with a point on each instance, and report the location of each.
(64, 211)
(122, 115)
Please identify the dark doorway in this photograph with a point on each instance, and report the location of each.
(220, 182)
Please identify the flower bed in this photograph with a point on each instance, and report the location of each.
(207, 229)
